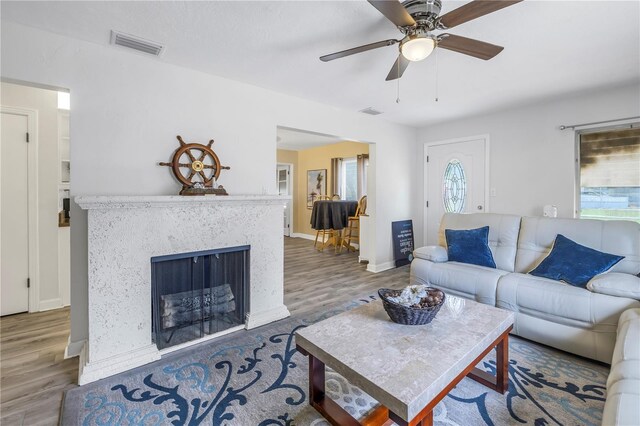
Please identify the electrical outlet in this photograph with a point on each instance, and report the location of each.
(493, 192)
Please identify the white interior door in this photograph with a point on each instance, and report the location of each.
(455, 176)
(283, 177)
(14, 215)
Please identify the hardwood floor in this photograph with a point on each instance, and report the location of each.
(34, 375)
(314, 281)
(33, 371)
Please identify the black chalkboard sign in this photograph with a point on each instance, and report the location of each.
(402, 234)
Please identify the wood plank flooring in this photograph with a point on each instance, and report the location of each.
(34, 375)
(33, 371)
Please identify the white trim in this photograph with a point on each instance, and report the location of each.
(379, 267)
(32, 173)
(265, 317)
(290, 194)
(305, 236)
(487, 173)
(92, 371)
(47, 305)
(74, 349)
(201, 340)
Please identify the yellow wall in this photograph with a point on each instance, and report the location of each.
(313, 159)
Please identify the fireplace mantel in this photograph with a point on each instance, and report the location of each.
(101, 202)
(125, 232)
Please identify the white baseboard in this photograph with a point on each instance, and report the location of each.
(379, 267)
(47, 305)
(265, 317)
(73, 348)
(92, 371)
(305, 236)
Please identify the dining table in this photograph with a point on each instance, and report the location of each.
(332, 215)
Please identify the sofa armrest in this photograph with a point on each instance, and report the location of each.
(616, 284)
(432, 253)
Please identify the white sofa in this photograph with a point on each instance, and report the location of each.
(577, 320)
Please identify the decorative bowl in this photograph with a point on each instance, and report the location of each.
(406, 314)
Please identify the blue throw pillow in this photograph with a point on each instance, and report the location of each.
(470, 246)
(573, 263)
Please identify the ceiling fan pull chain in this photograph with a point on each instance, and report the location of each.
(398, 79)
(436, 75)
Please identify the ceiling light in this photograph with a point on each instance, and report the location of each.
(417, 47)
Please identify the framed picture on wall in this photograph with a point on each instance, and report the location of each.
(316, 185)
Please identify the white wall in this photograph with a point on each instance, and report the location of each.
(46, 103)
(128, 108)
(531, 159)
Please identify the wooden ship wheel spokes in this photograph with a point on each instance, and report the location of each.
(194, 162)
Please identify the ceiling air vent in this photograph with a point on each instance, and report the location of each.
(370, 111)
(136, 43)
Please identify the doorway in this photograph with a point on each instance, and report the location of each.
(283, 181)
(456, 177)
(18, 251)
(34, 219)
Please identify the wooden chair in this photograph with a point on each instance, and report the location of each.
(324, 233)
(352, 234)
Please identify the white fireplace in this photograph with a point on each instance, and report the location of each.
(125, 232)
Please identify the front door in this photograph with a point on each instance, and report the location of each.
(455, 181)
(14, 214)
(283, 177)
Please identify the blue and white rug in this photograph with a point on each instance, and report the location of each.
(257, 378)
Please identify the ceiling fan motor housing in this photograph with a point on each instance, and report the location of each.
(424, 12)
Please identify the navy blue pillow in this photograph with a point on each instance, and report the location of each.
(470, 246)
(573, 263)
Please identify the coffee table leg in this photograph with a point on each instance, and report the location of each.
(316, 380)
(502, 365)
(499, 382)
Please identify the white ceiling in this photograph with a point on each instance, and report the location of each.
(552, 48)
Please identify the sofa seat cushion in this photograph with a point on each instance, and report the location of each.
(561, 303)
(621, 407)
(625, 363)
(460, 279)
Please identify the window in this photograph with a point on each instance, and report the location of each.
(349, 179)
(454, 187)
(609, 174)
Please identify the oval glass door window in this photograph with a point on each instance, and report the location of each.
(454, 187)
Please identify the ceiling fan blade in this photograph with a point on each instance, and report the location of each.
(469, 46)
(473, 10)
(358, 49)
(394, 11)
(398, 68)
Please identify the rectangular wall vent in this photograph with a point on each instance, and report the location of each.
(136, 43)
(370, 111)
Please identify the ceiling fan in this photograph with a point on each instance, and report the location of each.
(416, 19)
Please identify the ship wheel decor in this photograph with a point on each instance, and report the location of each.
(197, 167)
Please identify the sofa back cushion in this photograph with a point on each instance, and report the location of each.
(619, 237)
(503, 233)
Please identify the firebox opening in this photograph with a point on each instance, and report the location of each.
(198, 294)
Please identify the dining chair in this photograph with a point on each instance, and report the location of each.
(352, 233)
(324, 234)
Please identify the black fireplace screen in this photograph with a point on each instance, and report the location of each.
(196, 294)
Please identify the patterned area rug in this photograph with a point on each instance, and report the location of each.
(257, 378)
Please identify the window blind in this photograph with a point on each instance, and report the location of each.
(610, 159)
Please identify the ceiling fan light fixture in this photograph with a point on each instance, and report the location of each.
(417, 47)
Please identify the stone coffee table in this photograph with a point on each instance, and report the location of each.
(407, 368)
